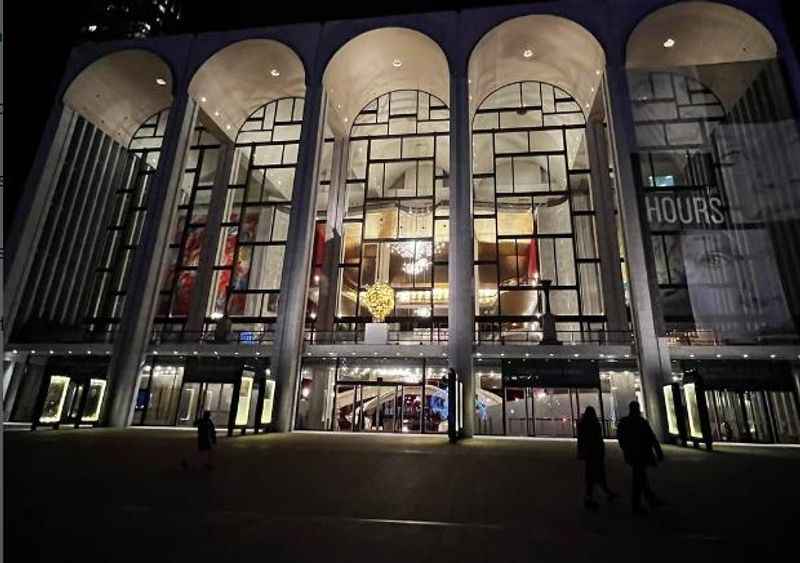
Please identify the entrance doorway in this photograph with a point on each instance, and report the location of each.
(382, 408)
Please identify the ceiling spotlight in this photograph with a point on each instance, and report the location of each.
(669, 43)
(275, 73)
(203, 99)
(228, 126)
(527, 53)
(216, 113)
(161, 82)
(397, 63)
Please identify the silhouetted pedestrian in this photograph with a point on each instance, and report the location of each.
(641, 450)
(592, 451)
(206, 437)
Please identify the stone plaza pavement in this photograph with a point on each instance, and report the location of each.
(121, 495)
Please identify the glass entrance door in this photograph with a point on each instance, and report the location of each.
(382, 408)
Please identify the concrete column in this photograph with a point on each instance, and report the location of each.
(289, 327)
(33, 209)
(647, 319)
(460, 276)
(131, 340)
(14, 376)
(329, 284)
(606, 230)
(208, 255)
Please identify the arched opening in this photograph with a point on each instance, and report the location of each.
(236, 192)
(545, 233)
(385, 220)
(718, 152)
(119, 108)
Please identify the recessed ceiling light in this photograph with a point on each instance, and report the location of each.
(203, 99)
(397, 63)
(527, 53)
(275, 73)
(228, 126)
(216, 113)
(669, 43)
(161, 82)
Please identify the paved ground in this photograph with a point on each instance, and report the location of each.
(107, 495)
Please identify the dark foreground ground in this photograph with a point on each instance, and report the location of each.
(119, 496)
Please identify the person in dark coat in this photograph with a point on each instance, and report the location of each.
(591, 450)
(641, 450)
(206, 437)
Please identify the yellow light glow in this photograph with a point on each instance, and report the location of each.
(379, 300)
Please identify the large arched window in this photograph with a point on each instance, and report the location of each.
(395, 228)
(533, 210)
(249, 264)
(124, 227)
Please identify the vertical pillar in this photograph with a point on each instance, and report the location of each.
(33, 209)
(606, 230)
(214, 218)
(653, 352)
(130, 342)
(11, 387)
(288, 340)
(329, 284)
(460, 277)
(796, 378)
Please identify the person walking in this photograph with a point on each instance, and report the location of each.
(206, 437)
(641, 450)
(592, 451)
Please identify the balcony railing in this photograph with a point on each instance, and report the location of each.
(494, 333)
(692, 337)
(354, 334)
(245, 337)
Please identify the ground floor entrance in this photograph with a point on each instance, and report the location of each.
(237, 394)
(381, 395)
(731, 401)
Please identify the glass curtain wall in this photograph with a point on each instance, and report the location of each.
(533, 214)
(395, 227)
(249, 263)
(719, 161)
(83, 260)
(189, 235)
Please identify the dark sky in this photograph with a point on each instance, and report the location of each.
(38, 38)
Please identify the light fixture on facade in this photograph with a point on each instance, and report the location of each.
(397, 63)
(669, 43)
(527, 53)
(275, 73)
(161, 82)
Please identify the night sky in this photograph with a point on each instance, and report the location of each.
(39, 36)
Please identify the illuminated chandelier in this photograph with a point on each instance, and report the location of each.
(414, 262)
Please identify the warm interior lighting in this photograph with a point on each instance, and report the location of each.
(161, 82)
(397, 63)
(669, 43)
(527, 53)
(275, 73)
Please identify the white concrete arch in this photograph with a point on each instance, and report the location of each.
(243, 76)
(380, 61)
(698, 33)
(538, 47)
(120, 91)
